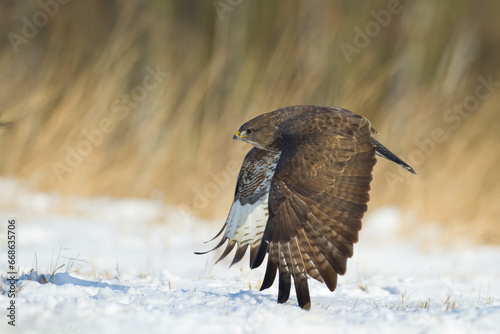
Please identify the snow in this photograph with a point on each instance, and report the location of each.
(129, 266)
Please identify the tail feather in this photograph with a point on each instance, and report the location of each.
(384, 152)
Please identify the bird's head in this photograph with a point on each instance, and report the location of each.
(259, 132)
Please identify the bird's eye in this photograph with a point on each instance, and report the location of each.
(249, 131)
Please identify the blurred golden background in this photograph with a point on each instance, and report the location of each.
(141, 98)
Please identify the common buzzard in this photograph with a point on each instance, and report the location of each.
(301, 193)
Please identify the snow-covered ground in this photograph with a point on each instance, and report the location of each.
(129, 267)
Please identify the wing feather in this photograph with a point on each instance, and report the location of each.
(285, 278)
(270, 275)
(317, 198)
(298, 265)
(248, 215)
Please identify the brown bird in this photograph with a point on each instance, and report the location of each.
(301, 194)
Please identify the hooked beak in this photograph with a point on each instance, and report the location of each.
(238, 135)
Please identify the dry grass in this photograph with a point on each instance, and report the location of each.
(404, 305)
(174, 142)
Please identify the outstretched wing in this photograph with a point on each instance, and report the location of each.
(247, 218)
(317, 198)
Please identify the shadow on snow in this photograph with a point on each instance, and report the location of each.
(65, 278)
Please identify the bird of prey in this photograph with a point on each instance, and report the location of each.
(301, 194)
